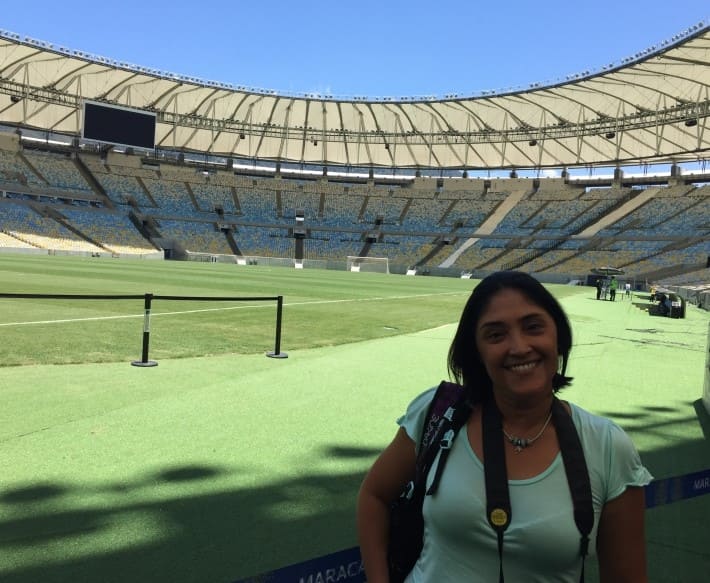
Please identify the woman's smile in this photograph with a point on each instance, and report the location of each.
(523, 367)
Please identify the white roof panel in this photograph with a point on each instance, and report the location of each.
(653, 109)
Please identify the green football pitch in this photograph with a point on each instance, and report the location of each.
(221, 463)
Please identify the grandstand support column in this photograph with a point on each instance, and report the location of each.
(277, 345)
(144, 362)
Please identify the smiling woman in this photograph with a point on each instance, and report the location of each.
(510, 355)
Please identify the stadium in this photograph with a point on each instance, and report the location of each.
(368, 218)
(213, 170)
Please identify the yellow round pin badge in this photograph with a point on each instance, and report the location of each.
(499, 517)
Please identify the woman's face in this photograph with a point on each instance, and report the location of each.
(517, 344)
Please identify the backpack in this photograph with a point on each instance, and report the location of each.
(447, 412)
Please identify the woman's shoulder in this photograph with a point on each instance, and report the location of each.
(611, 454)
(415, 415)
(598, 429)
(419, 405)
(582, 416)
(423, 399)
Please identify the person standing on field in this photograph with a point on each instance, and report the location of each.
(613, 286)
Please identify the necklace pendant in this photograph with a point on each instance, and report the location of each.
(519, 443)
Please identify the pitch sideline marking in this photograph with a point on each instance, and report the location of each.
(316, 302)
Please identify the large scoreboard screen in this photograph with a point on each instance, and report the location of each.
(118, 125)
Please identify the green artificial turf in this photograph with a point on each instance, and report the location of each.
(321, 308)
(220, 463)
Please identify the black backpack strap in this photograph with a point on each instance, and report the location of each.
(577, 475)
(447, 412)
(498, 509)
(436, 422)
(447, 395)
(459, 413)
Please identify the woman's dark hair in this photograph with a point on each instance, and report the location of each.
(465, 365)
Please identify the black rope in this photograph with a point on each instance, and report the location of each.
(135, 297)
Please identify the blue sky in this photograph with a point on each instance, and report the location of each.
(371, 48)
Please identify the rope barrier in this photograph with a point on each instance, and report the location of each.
(147, 305)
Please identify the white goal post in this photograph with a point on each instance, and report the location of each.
(368, 264)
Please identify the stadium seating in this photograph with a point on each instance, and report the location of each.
(99, 202)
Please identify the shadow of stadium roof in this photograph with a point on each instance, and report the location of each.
(652, 108)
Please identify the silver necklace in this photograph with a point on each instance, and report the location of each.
(520, 443)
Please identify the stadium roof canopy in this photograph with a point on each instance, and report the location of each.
(651, 108)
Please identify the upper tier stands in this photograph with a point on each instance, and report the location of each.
(59, 171)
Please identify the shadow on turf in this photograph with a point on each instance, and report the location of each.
(193, 536)
(222, 536)
(35, 493)
(229, 534)
(351, 452)
(648, 416)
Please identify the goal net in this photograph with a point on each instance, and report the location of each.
(368, 264)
